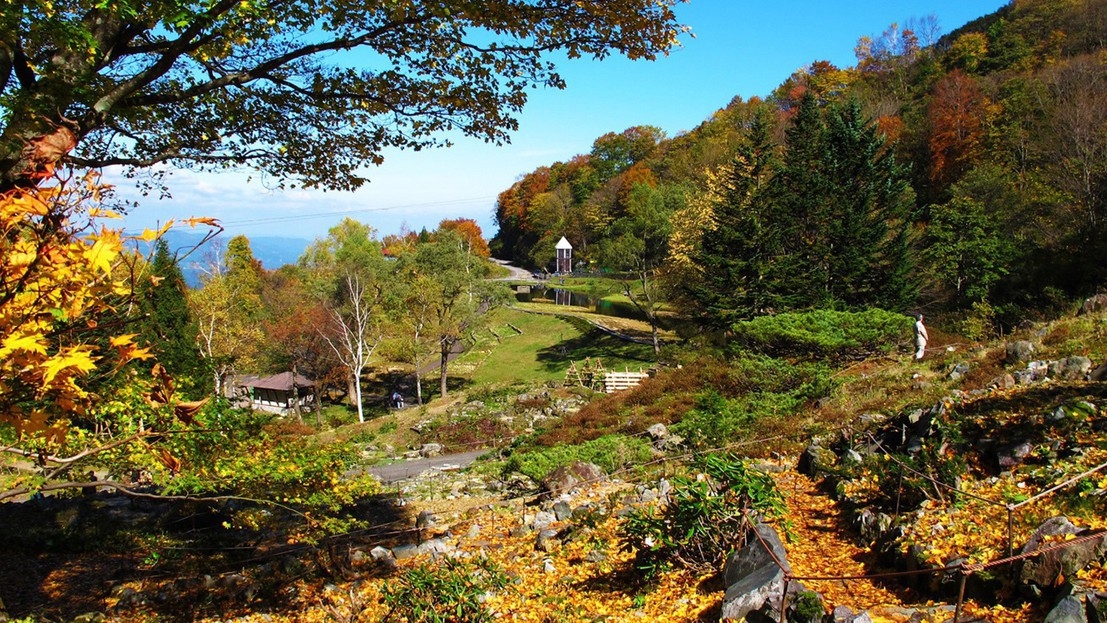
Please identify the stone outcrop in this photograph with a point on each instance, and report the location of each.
(754, 576)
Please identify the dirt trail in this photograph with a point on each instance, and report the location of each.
(821, 547)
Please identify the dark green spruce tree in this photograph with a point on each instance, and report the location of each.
(801, 214)
(167, 325)
(866, 207)
(738, 252)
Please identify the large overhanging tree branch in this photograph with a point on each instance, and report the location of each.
(308, 91)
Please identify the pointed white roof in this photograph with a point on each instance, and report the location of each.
(563, 244)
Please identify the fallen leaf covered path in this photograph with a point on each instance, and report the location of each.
(820, 547)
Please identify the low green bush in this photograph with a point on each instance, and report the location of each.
(705, 519)
(768, 388)
(447, 591)
(610, 452)
(823, 334)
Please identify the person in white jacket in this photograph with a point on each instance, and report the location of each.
(920, 337)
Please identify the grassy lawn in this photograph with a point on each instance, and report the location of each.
(544, 349)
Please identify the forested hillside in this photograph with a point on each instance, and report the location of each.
(965, 172)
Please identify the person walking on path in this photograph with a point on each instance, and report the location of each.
(920, 337)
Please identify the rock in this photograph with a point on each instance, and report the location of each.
(1068, 610)
(841, 614)
(1019, 351)
(546, 541)
(426, 519)
(474, 531)
(1094, 304)
(959, 371)
(658, 431)
(401, 552)
(428, 450)
(383, 556)
(1002, 382)
(565, 479)
(1071, 368)
(815, 459)
(542, 520)
(1099, 374)
(562, 510)
(1014, 455)
(753, 578)
(1042, 573)
(595, 556)
(1097, 608)
(434, 547)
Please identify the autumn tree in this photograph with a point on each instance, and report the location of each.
(349, 277)
(293, 341)
(307, 92)
(638, 244)
(453, 294)
(614, 153)
(470, 234)
(228, 310)
(957, 116)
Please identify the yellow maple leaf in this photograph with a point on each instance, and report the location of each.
(101, 254)
(123, 340)
(32, 343)
(78, 359)
(202, 220)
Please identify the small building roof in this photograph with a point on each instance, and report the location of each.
(282, 381)
(563, 244)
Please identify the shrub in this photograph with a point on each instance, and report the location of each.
(706, 518)
(768, 389)
(610, 452)
(448, 591)
(823, 334)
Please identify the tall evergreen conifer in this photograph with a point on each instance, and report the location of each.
(168, 325)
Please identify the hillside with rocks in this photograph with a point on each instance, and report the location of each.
(968, 485)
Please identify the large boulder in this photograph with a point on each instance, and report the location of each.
(1020, 351)
(754, 575)
(1094, 304)
(569, 477)
(1068, 610)
(1071, 368)
(1041, 574)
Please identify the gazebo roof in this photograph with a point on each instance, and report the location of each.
(563, 244)
(282, 381)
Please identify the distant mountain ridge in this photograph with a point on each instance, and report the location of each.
(272, 251)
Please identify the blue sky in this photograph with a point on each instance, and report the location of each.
(739, 49)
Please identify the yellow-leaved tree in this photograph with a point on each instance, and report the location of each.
(61, 279)
(75, 415)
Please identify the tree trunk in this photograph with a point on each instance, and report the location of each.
(296, 396)
(319, 405)
(447, 346)
(360, 407)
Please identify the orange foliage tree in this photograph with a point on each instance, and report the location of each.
(957, 118)
(470, 233)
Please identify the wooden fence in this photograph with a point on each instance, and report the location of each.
(617, 381)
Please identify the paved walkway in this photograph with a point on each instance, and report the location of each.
(395, 472)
